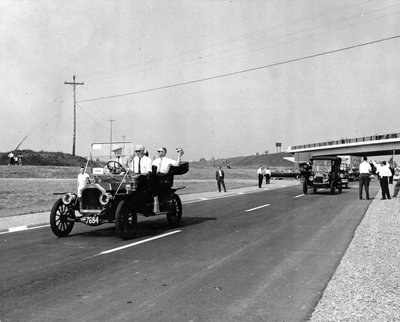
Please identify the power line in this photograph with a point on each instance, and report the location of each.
(242, 71)
(231, 40)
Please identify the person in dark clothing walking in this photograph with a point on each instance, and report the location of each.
(260, 173)
(219, 176)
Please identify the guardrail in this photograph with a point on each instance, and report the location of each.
(347, 140)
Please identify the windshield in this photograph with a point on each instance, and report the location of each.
(101, 153)
(322, 166)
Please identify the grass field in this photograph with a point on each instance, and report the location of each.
(29, 189)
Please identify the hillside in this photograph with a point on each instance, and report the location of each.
(43, 158)
(273, 160)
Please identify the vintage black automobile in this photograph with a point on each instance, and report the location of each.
(322, 172)
(114, 196)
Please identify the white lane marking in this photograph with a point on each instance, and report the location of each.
(19, 228)
(139, 242)
(258, 207)
(298, 196)
(22, 228)
(203, 198)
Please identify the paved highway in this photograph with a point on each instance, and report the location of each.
(264, 256)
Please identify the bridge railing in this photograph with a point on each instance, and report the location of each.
(347, 140)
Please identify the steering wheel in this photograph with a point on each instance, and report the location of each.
(115, 167)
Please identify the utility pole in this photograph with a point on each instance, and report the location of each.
(111, 137)
(74, 84)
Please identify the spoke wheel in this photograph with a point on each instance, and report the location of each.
(126, 220)
(61, 219)
(174, 215)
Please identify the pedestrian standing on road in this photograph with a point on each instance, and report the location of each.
(365, 172)
(391, 167)
(83, 180)
(384, 175)
(220, 176)
(267, 174)
(260, 173)
(396, 189)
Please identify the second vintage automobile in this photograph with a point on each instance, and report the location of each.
(114, 196)
(322, 172)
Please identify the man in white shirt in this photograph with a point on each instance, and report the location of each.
(384, 175)
(141, 164)
(163, 163)
(83, 180)
(365, 171)
(267, 174)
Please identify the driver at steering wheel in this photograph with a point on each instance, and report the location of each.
(141, 167)
(141, 164)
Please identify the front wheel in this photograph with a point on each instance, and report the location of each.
(61, 219)
(174, 215)
(340, 187)
(126, 220)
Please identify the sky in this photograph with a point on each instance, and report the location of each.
(217, 78)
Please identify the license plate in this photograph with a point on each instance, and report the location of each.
(92, 220)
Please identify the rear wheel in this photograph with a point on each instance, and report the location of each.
(315, 189)
(340, 187)
(61, 219)
(174, 215)
(126, 220)
(332, 187)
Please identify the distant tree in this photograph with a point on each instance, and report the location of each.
(266, 152)
(202, 160)
(257, 154)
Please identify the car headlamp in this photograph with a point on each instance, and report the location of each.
(341, 175)
(68, 198)
(311, 178)
(105, 198)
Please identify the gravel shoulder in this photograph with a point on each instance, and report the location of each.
(366, 284)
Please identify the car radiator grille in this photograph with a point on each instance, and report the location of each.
(90, 199)
(318, 180)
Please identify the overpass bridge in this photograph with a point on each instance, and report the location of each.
(375, 145)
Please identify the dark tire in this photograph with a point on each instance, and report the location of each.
(61, 219)
(340, 188)
(174, 215)
(315, 189)
(126, 220)
(332, 187)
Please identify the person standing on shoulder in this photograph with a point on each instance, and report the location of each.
(396, 189)
(220, 176)
(260, 173)
(365, 172)
(83, 180)
(384, 175)
(267, 174)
